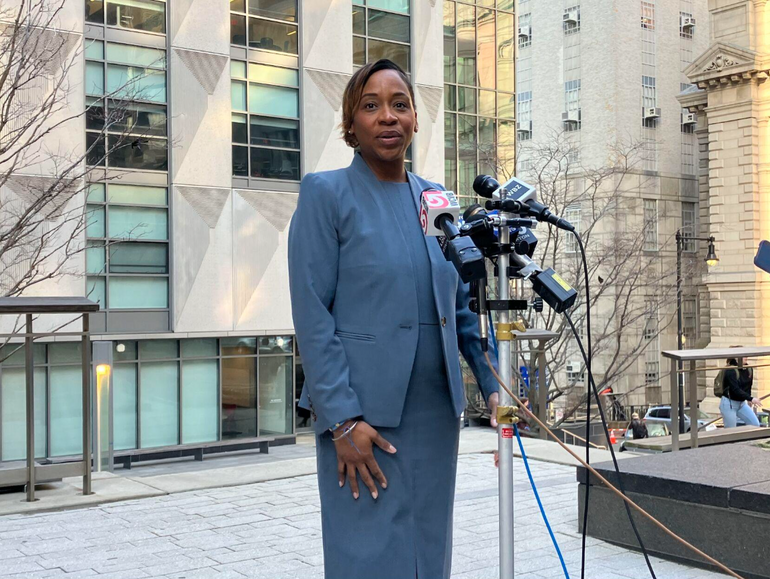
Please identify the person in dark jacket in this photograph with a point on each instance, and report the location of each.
(638, 427)
(737, 400)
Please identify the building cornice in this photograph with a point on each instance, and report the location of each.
(726, 64)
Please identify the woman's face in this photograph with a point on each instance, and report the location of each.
(385, 120)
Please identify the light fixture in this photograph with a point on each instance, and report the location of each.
(280, 342)
(711, 258)
(120, 348)
(102, 369)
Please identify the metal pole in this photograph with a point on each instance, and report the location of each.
(679, 333)
(29, 366)
(86, 362)
(505, 431)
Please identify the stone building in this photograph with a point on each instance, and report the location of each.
(733, 108)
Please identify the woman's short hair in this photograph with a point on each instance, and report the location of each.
(733, 361)
(351, 98)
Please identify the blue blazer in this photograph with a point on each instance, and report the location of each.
(354, 302)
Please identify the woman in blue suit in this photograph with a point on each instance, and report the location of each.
(380, 317)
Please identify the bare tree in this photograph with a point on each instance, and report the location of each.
(632, 283)
(43, 178)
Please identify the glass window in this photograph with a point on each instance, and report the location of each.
(95, 149)
(146, 15)
(466, 44)
(359, 51)
(273, 100)
(276, 345)
(487, 48)
(398, 53)
(359, 21)
(95, 11)
(95, 290)
(136, 55)
(96, 192)
(158, 349)
(505, 52)
(139, 258)
(137, 195)
(237, 29)
(238, 346)
(95, 221)
(94, 49)
(401, 6)
(466, 100)
(141, 118)
(138, 293)
(159, 404)
(275, 392)
(13, 403)
(138, 153)
(136, 83)
(238, 95)
(239, 397)
(138, 223)
(124, 404)
(94, 78)
(66, 411)
(96, 258)
(199, 347)
(240, 129)
(487, 103)
(237, 69)
(273, 74)
(200, 401)
(269, 132)
(450, 42)
(129, 351)
(276, 9)
(274, 164)
(268, 35)
(241, 161)
(388, 26)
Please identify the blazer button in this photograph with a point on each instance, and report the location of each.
(443, 322)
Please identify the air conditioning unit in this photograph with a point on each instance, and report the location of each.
(570, 117)
(571, 17)
(524, 126)
(689, 118)
(525, 32)
(573, 367)
(688, 22)
(652, 113)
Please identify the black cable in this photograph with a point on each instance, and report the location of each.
(592, 386)
(588, 401)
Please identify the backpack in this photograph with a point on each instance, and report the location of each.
(719, 384)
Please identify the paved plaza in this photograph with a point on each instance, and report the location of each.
(271, 530)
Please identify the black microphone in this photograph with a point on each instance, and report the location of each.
(487, 186)
(482, 230)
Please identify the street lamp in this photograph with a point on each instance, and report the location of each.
(711, 261)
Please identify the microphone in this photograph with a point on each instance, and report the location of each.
(520, 198)
(439, 213)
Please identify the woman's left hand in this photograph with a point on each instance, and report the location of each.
(492, 405)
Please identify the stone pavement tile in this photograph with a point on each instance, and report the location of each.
(15, 567)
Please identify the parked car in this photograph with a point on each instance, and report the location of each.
(662, 415)
(654, 429)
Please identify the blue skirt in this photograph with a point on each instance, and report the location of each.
(407, 532)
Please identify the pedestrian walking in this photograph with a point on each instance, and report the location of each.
(379, 315)
(737, 400)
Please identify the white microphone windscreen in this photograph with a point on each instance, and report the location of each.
(433, 203)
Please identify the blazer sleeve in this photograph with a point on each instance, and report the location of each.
(470, 345)
(313, 264)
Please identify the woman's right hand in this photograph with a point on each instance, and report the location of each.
(756, 402)
(354, 455)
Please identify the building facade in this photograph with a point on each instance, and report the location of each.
(224, 106)
(732, 102)
(593, 77)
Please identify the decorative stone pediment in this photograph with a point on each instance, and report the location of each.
(723, 60)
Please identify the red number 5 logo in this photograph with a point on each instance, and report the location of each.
(436, 199)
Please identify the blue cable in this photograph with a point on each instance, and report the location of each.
(539, 503)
